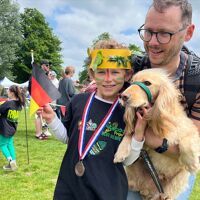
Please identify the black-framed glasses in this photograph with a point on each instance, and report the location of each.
(161, 36)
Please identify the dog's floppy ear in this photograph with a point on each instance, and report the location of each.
(164, 108)
(129, 118)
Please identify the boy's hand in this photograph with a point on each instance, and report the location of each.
(141, 124)
(47, 113)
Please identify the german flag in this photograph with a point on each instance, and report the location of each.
(42, 90)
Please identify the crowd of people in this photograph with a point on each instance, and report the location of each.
(93, 117)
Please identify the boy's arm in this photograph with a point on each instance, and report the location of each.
(136, 147)
(137, 140)
(59, 131)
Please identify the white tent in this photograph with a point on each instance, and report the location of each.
(7, 83)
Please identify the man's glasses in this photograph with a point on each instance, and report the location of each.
(162, 36)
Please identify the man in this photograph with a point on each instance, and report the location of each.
(167, 26)
(66, 88)
(39, 133)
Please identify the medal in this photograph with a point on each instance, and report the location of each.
(79, 168)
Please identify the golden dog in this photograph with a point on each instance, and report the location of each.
(167, 119)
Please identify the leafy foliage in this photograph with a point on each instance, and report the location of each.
(37, 36)
(120, 60)
(98, 60)
(10, 36)
(103, 36)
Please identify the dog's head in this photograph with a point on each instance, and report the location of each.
(156, 89)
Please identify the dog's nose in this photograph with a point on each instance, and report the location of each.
(124, 97)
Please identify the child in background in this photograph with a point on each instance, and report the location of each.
(93, 129)
(8, 124)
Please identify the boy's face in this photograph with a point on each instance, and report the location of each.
(109, 82)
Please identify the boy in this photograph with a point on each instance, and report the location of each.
(93, 129)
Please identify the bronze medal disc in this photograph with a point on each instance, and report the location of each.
(79, 168)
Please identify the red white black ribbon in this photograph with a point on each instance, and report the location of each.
(97, 132)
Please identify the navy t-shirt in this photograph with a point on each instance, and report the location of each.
(102, 180)
(9, 114)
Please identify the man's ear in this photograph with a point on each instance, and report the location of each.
(189, 33)
(128, 75)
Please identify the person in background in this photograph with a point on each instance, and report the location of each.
(39, 132)
(66, 88)
(53, 78)
(9, 115)
(93, 129)
(168, 24)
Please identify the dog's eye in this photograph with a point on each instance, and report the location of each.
(147, 83)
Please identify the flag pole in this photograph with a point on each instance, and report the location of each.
(27, 146)
(27, 149)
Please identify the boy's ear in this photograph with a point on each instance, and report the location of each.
(91, 73)
(128, 75)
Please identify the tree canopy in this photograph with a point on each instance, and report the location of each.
(10, 36)
(39, 37)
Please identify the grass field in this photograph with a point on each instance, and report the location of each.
(36, 180)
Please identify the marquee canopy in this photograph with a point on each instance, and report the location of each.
(5, 82)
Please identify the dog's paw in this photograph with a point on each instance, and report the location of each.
(122, 153)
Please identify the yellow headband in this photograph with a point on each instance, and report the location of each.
(110, 58)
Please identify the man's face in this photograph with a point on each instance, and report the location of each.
(45, 67)
(167, 21)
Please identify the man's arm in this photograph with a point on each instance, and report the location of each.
(154, 141)
(197, 123)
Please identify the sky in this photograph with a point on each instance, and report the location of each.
(78, 22)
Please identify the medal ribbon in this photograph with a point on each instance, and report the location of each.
(97, 132)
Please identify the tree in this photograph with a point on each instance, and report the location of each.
(37, 36)
(135, 49)
(10, 36)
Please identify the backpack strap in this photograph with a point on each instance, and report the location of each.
(192, 79)
(139, 62)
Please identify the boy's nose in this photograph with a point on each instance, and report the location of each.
(108, 76)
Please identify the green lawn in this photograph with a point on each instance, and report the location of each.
(36, 180)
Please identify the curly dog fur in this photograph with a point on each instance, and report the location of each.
(167, 119)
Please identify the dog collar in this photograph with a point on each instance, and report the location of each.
(145, 88)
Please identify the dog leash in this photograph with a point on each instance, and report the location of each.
(144, 155)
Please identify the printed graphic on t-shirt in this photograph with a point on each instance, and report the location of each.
(13, 115)
(98, 147)
(113, 131)
(90, 126)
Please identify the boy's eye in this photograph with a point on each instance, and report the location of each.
(100, 72)
(115, 72)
